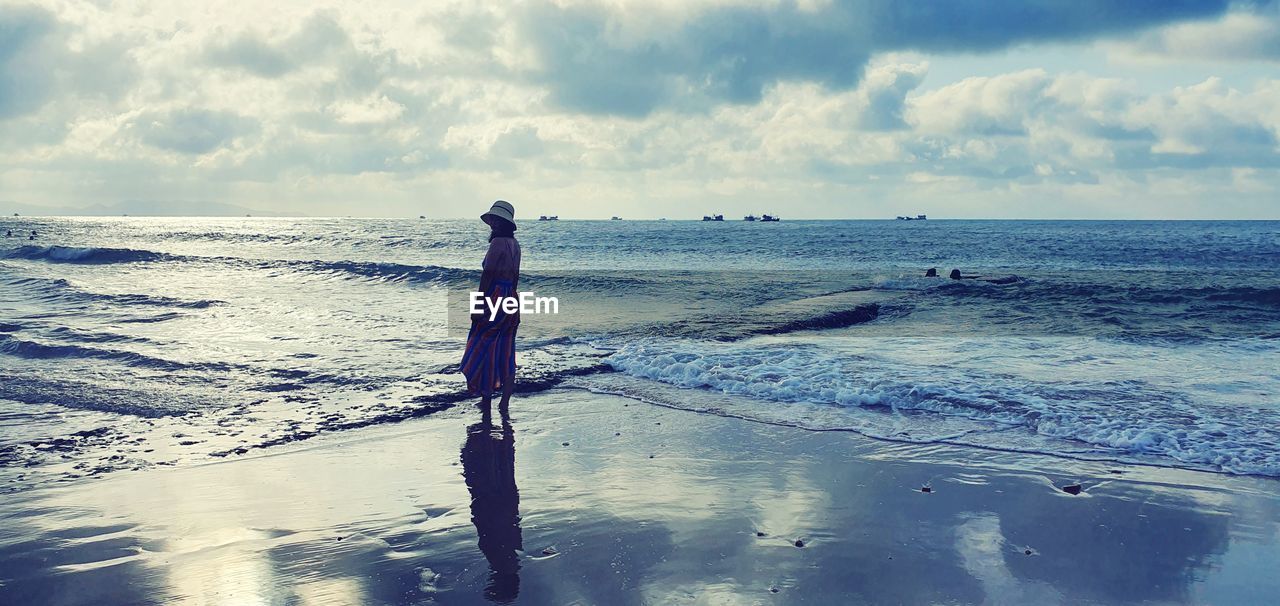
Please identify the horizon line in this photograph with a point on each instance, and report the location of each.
(611, 220)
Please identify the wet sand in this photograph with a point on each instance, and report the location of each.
(592, 499)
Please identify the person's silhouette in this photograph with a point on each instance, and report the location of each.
(489, 469)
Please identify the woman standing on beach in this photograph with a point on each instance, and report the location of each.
(489, 361)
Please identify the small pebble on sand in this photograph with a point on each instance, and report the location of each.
(760, 533)
(564, 443)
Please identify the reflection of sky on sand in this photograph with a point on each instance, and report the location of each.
(229, 533)
(387, 520)
(982, 552)
(221, 567)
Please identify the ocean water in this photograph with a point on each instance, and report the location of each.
(128, 343)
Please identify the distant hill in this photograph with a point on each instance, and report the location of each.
(139, 208)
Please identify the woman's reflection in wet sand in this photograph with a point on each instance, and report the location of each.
(489, 468)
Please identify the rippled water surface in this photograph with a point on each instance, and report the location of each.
(131, 342)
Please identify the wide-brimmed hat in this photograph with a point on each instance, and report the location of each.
(500, 210)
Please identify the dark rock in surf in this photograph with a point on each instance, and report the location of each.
(842, 318)
(1071, 489)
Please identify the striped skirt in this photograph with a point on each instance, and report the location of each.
(491, 346)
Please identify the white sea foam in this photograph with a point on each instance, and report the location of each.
(1177, 423)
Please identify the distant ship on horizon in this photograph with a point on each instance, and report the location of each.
(546, 218)
(915, 218)
(713, 217)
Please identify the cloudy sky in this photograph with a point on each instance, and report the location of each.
(808, 108)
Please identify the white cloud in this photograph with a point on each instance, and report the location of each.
(190, 131)
(884, 91)
(1211, 120)
(1237, 36)
(311, 107)
(999, 105)
(370, 110)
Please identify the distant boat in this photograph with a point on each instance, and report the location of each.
(770, 219)
(749, 218)
(551, 218)
(713, 218)
(15, 214)
(422, 216)
(616, 219)
(915, 218)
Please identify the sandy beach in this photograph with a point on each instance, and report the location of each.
(623, 502)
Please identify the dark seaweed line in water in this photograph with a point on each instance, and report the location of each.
(40, 351)
(427, 405)
(44, 289)
(391, 272)
(736, 326)
(103, 398)
(88, 396)
(367, 269)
